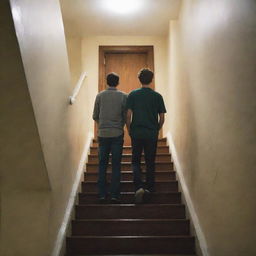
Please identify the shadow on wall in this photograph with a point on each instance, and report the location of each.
(43, 136)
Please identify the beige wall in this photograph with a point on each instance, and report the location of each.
(74, 49)
(43, 135)
(24, 180)
(212, 117)
(90, 49)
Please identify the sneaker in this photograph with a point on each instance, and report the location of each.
(139, 196)
(102, 199)
(115, 200)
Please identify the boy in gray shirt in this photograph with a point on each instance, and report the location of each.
(109, 113)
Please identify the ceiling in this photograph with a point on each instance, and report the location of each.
(90, 18)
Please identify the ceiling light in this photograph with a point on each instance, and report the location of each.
(122, 6)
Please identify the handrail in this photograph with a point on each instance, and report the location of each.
(72, 98)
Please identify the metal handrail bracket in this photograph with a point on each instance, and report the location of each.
(72, 98)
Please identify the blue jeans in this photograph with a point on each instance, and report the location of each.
(107, 145)
(149, 146)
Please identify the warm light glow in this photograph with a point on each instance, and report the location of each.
(122, 6)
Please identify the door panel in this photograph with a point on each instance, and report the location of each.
(127, 66)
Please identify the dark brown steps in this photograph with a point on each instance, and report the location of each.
(128, 175)
(130, 227)
(126, 166)
(156, 227)
(128, 198)
(127, 149)
(129, 211)
(128, 186)
(93, 158)
(130, 244)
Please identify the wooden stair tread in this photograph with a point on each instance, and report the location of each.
(159, 154)
(163, 185)
(159, 146)
(160, 254)
(131, 182)
(160, 139)
(129, 205)
(172, 197)
(131, 244)
(132, 193)
(132, 237)
(129, 163)
(91, 172)
(142, 171)
(131, 220)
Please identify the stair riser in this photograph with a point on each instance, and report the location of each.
(166, 176)
(159, 143)
(129, 212)
(94, 150)
(129, 187)
(135, 245)
(130, 228)
(129, 198)
(128, 167)
(95, 170)
(128, 158)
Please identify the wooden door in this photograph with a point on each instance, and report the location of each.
(126, 62)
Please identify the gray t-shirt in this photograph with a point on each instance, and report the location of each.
(109, 111)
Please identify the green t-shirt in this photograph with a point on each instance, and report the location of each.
(146, 105)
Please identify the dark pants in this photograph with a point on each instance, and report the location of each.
(149, 146)
(113, 145)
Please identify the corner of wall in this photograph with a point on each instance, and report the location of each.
(201, 243)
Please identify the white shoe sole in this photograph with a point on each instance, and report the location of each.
(139, 196)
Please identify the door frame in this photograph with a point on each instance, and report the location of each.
(148, 49)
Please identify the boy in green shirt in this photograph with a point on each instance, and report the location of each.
(145, 117)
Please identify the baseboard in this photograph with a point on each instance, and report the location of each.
(196, 224)
(59, 246)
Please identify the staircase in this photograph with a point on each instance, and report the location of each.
(159, 227)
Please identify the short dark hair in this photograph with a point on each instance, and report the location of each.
(145, 76)
(112, 79)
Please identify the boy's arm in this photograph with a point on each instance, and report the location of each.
(124, 110)
(161, 120)
(96, 110)
(128, 119)
(161, 111)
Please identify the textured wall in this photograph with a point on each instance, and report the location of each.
(43, 135)
(212, 119)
